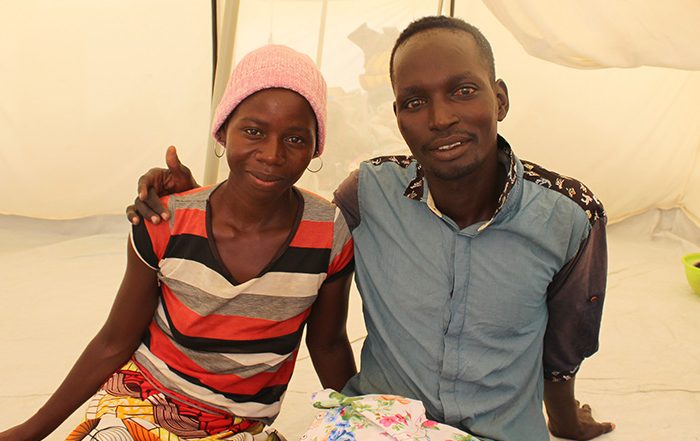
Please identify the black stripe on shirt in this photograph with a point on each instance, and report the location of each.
(284, 344)
(303, 260)
(192, 247)
(143, 244)
(293, 260)
(266, 395)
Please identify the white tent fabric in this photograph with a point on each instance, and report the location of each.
(93, 92)
(59, 277)
(90, 100)
(600, 33)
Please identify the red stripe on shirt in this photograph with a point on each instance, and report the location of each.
(190, 221)
(163, 348)
(159, 233)
(313, 234)
(342, 259)
(227, 327)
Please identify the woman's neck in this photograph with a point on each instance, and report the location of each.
(244, 212)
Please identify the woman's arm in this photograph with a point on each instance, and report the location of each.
(111, 348)
(326, 336)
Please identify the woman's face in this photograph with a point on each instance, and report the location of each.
(270, 140)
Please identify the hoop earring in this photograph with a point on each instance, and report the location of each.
(216, 152)
(319, 168)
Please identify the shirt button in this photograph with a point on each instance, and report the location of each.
(593, 299)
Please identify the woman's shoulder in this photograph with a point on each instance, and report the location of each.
(314, 198)
(191, 199)
(317, 208)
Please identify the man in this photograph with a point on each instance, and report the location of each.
(482, 276)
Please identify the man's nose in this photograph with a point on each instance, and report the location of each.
(442, 115)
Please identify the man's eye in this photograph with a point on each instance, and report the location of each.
(295, 140)
(251, 131)
(465, 91)
(414, 103)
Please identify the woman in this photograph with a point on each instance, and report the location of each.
(203, 335)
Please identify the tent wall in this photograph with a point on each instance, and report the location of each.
(93, 92)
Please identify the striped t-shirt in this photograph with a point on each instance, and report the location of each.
(225, 346)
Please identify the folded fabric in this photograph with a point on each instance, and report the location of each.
(375, 417)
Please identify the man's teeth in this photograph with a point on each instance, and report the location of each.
(447, 147)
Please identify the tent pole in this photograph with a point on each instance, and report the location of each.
(321, 34)
(214, 41)
(223, 68)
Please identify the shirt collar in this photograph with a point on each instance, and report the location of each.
(416, 189)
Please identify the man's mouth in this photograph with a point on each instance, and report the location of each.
(448, 143)
(446, 147)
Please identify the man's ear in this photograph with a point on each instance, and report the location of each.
(394, 106)
(502, 98)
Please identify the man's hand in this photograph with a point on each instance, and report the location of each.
(159, 182)
(567, 418)
(587, 427)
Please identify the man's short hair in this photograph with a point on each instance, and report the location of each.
(451, 23)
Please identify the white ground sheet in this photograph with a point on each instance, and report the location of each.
(58, 278)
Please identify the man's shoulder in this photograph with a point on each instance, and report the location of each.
(390, 170)
(571, 188)
(402, 161)
(392, 174)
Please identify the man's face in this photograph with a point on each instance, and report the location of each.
(447, 106)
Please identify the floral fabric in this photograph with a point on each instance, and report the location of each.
(375, 417)
(128, 407)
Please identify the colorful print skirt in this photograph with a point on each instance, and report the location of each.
(127, 407)
(376, 417)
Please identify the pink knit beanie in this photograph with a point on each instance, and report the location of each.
(274, 66)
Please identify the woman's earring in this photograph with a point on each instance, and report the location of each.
(320, 161)
(216, 150)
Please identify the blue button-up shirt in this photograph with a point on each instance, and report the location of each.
(462, 319)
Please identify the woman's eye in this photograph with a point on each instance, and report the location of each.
(414, 103)
(465, 91)
(252, 131)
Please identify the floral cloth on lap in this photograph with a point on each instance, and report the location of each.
(380, 417)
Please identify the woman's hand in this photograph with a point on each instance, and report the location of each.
(18, 433)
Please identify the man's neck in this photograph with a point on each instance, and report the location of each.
(472, 198)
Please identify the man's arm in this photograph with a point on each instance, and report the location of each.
(347, 199)
(159, 182)
(326, 335)
(567, 417)
(575, 304)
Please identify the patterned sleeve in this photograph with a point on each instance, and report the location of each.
(345, 197)
(149, 240)
(341, 259)
(575, 303)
